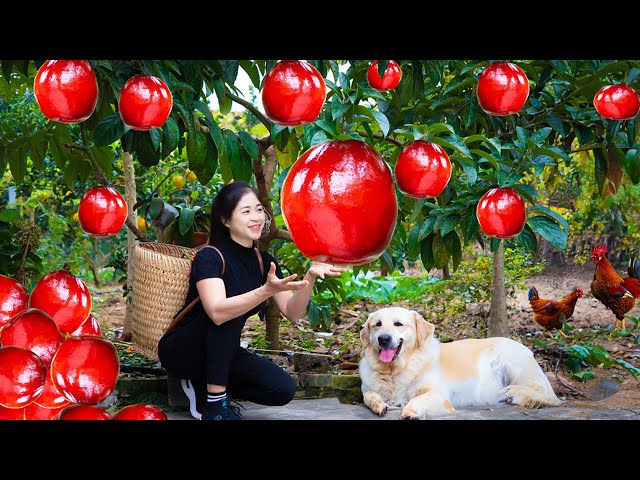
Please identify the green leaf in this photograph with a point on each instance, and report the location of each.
(602, 166)
(382, 121)
(140, 145)
(170, 136)
(38, 147)
(459, 82)
(327, 126)
(412, 243)
(468, 166)
(523, 136)
(185, 220)
(197, 155)
(527, 191)
(387, 261)
(541, 209)
(528, 239)
(104, 158)
(455, 247)
(108, 130)
(249, 144)
(471, 224)
(155, 134)
(230, 69)
(539, 136)
(232, 153)
(549, 230)
(427, 227)
(438, 128)
(426, 253)
(289, 153)
(558, 125)
(446, 223)
(16, 155)
(494, 244)
(156, 207)
(454, 143)
(441, 253)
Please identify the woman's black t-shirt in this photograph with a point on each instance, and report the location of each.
(241, 273)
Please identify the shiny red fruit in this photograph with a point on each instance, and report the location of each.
(14, 298)
(390, 79)
(339, 203)
(51, 396)
(501, 213)
(33, 411)
(85, 369)
(102, 211)
(422, 170)
(22, 376)
(617, 102)
(145, 102)
(140, 411)
(64, 297)
(66, 90)
(503, 88)
(293, 93)
(83, 412)
(90, 326)
(34, 330)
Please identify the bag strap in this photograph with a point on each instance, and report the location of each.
(178, 318)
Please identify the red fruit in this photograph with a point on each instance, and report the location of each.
(14, 298)
(422, 170)
(85, 369)
(145, 102)
(503, 89)
(617, 102)
(140, 411)
(34, 330)
(339, 203)
(102, 211)
(390, 79)
(501, 213)
(83, 412)
(90, 326)
(33, 411)
(293, 93)
(64, 297)
(51, 396)
(66, 90)
(22, 376)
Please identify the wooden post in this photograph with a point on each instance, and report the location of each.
(498, 322)
(131, 197)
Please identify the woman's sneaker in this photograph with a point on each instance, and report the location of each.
(197, 395)
(221, 410)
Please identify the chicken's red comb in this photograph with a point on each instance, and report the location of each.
(600, 249)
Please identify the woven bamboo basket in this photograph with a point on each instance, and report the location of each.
(160, 285)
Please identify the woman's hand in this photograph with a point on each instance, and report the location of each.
(319, 270)
(275, 284)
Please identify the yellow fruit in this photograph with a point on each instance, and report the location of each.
(75, 217)
(190, 175)
(178, 181)
(142, 223)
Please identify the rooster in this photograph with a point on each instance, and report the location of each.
(550, 314)
(616, 293)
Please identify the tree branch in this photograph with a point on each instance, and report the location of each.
(249, 106)
(379, 135)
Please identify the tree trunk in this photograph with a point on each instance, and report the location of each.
(498, 321)
(131, 197)
(446, 275)
(273, 326)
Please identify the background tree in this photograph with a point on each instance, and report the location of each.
(436, 101)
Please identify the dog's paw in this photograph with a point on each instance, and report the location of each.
(380, 409)
(411, 413)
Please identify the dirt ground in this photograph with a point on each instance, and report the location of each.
(338, 350)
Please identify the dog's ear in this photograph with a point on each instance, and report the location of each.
(365, 332)
(424, 329)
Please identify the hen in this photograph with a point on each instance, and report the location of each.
(616, 293)
(550, 314)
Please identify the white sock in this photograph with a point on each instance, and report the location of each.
(215, 397)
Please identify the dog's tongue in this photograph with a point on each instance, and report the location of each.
(386, 355)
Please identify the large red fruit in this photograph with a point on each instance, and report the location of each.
(85, 369)
(422, 170)
(66, 90)
(503, 88)
(22, 376)
(339, 203)
(145, 102)
(501, 213)
(90, 326)
(390, 79)
(33, 411)
(12, 413)
(64, 297)
(51, 396)
(140, 411)
(293, 93)
(102, 211)
(35, 330)
(14, 298)
(617, 102)
(83, 412)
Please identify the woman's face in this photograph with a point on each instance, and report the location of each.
(247, 220)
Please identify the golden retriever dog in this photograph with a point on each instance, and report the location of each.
(404, 365)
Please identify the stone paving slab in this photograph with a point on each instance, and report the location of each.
(332, 409)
